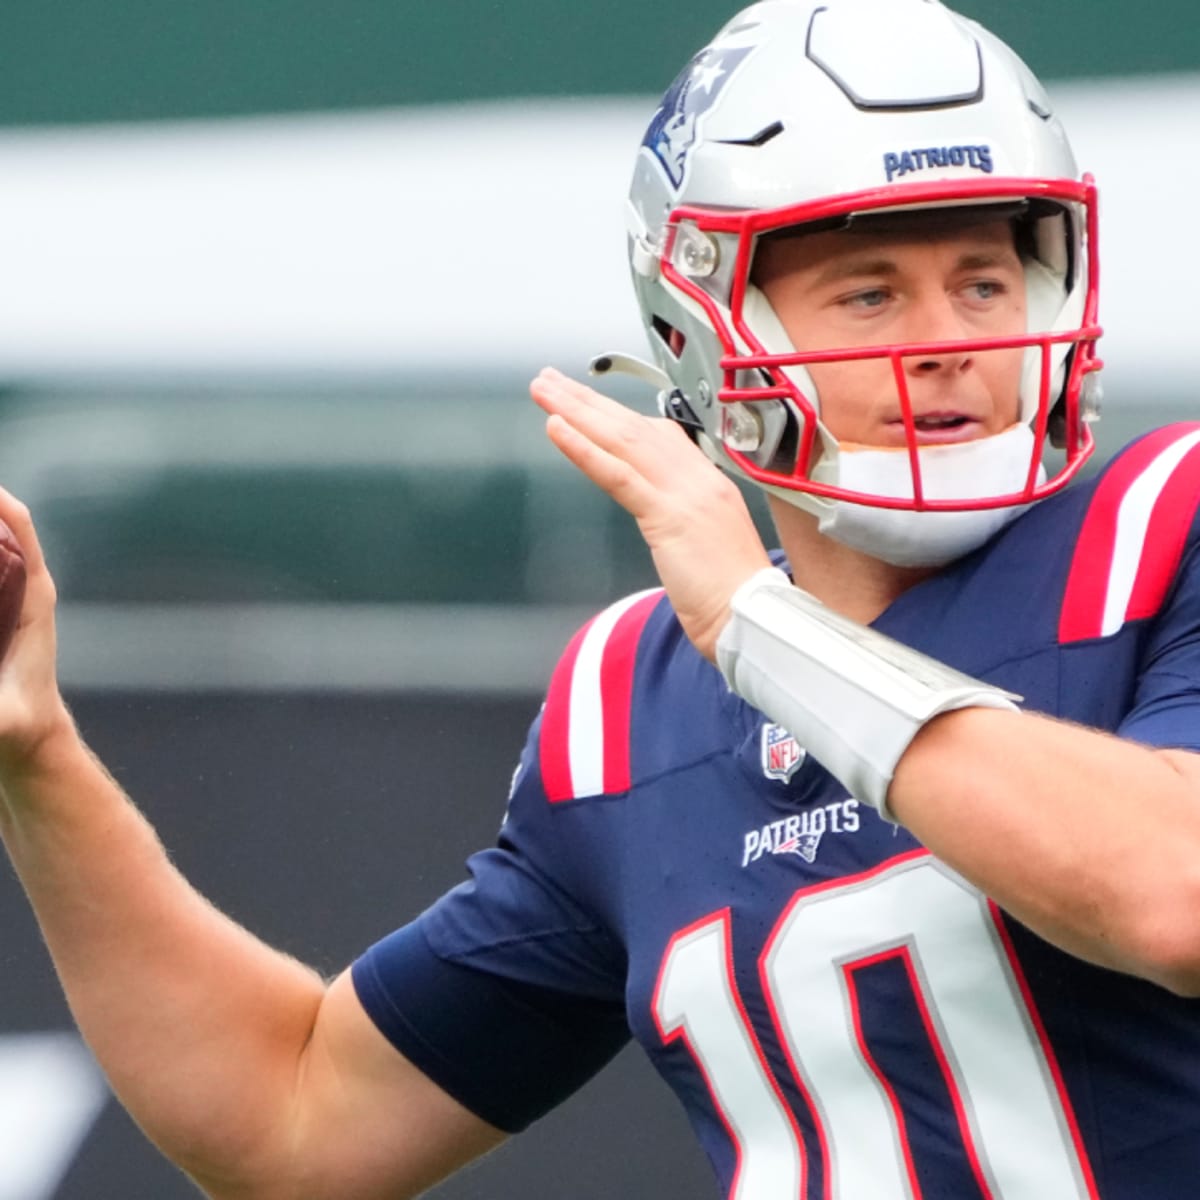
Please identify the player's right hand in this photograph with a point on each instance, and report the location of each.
(31, 706)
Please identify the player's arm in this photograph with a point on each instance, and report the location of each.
(235, 1059)
(1091, 840)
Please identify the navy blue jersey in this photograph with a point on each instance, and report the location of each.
(842, 1016)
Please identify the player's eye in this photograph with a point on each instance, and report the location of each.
(985, 290)
(866, 299)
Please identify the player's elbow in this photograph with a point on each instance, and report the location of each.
(1167, 947)
(1177, 974)
(1161, 890)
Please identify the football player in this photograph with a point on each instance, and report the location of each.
(881, 845)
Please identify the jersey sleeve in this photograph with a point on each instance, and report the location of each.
(509, 991)
(1131, 602)
(1166, 709)
(1159, 522)
(499, 993)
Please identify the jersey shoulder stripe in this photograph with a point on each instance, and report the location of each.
(584, 741)
(1133, 534)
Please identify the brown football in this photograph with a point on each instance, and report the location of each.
(12, 586)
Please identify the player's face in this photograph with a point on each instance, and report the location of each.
(841, 289)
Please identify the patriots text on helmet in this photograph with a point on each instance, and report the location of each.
(905, 162)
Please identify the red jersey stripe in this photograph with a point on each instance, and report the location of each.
(616, 691)
(554, 744)
(1166, 537)
(584, 738)
(1097, 573)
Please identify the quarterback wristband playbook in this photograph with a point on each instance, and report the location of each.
(852, 697)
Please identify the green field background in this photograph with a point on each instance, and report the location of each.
(76, 61)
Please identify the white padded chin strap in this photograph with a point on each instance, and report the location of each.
(992, 466)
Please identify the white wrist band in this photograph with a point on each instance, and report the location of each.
(852, 697)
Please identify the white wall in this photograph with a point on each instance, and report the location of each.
(458, 237)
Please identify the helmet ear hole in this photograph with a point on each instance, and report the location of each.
(786, 452)
(674, 339)
(1056, 419)
(1056, 426)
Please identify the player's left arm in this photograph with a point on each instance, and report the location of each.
(1091, 840)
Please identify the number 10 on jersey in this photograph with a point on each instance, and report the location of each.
(1018, 1132)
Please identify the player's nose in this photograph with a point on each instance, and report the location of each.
(935, 322)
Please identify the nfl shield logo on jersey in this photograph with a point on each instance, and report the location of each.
(781, 753)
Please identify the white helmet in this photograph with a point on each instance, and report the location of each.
(834, 111)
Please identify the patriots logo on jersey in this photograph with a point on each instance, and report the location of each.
(804, 844)
(781, 753)
(801, 833)
(672, 132)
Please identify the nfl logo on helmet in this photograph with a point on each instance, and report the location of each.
(781, 753)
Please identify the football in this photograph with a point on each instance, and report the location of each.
(12, 586)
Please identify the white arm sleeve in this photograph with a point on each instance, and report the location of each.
(852, 697)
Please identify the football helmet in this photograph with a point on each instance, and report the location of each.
(829, 114)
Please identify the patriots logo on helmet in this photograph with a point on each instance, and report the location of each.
(672, 132)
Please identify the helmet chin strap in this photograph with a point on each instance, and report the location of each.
(990, 466)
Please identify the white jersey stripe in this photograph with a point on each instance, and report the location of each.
(1133, 520)
(585, 737)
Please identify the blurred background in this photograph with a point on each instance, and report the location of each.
(273, 278)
